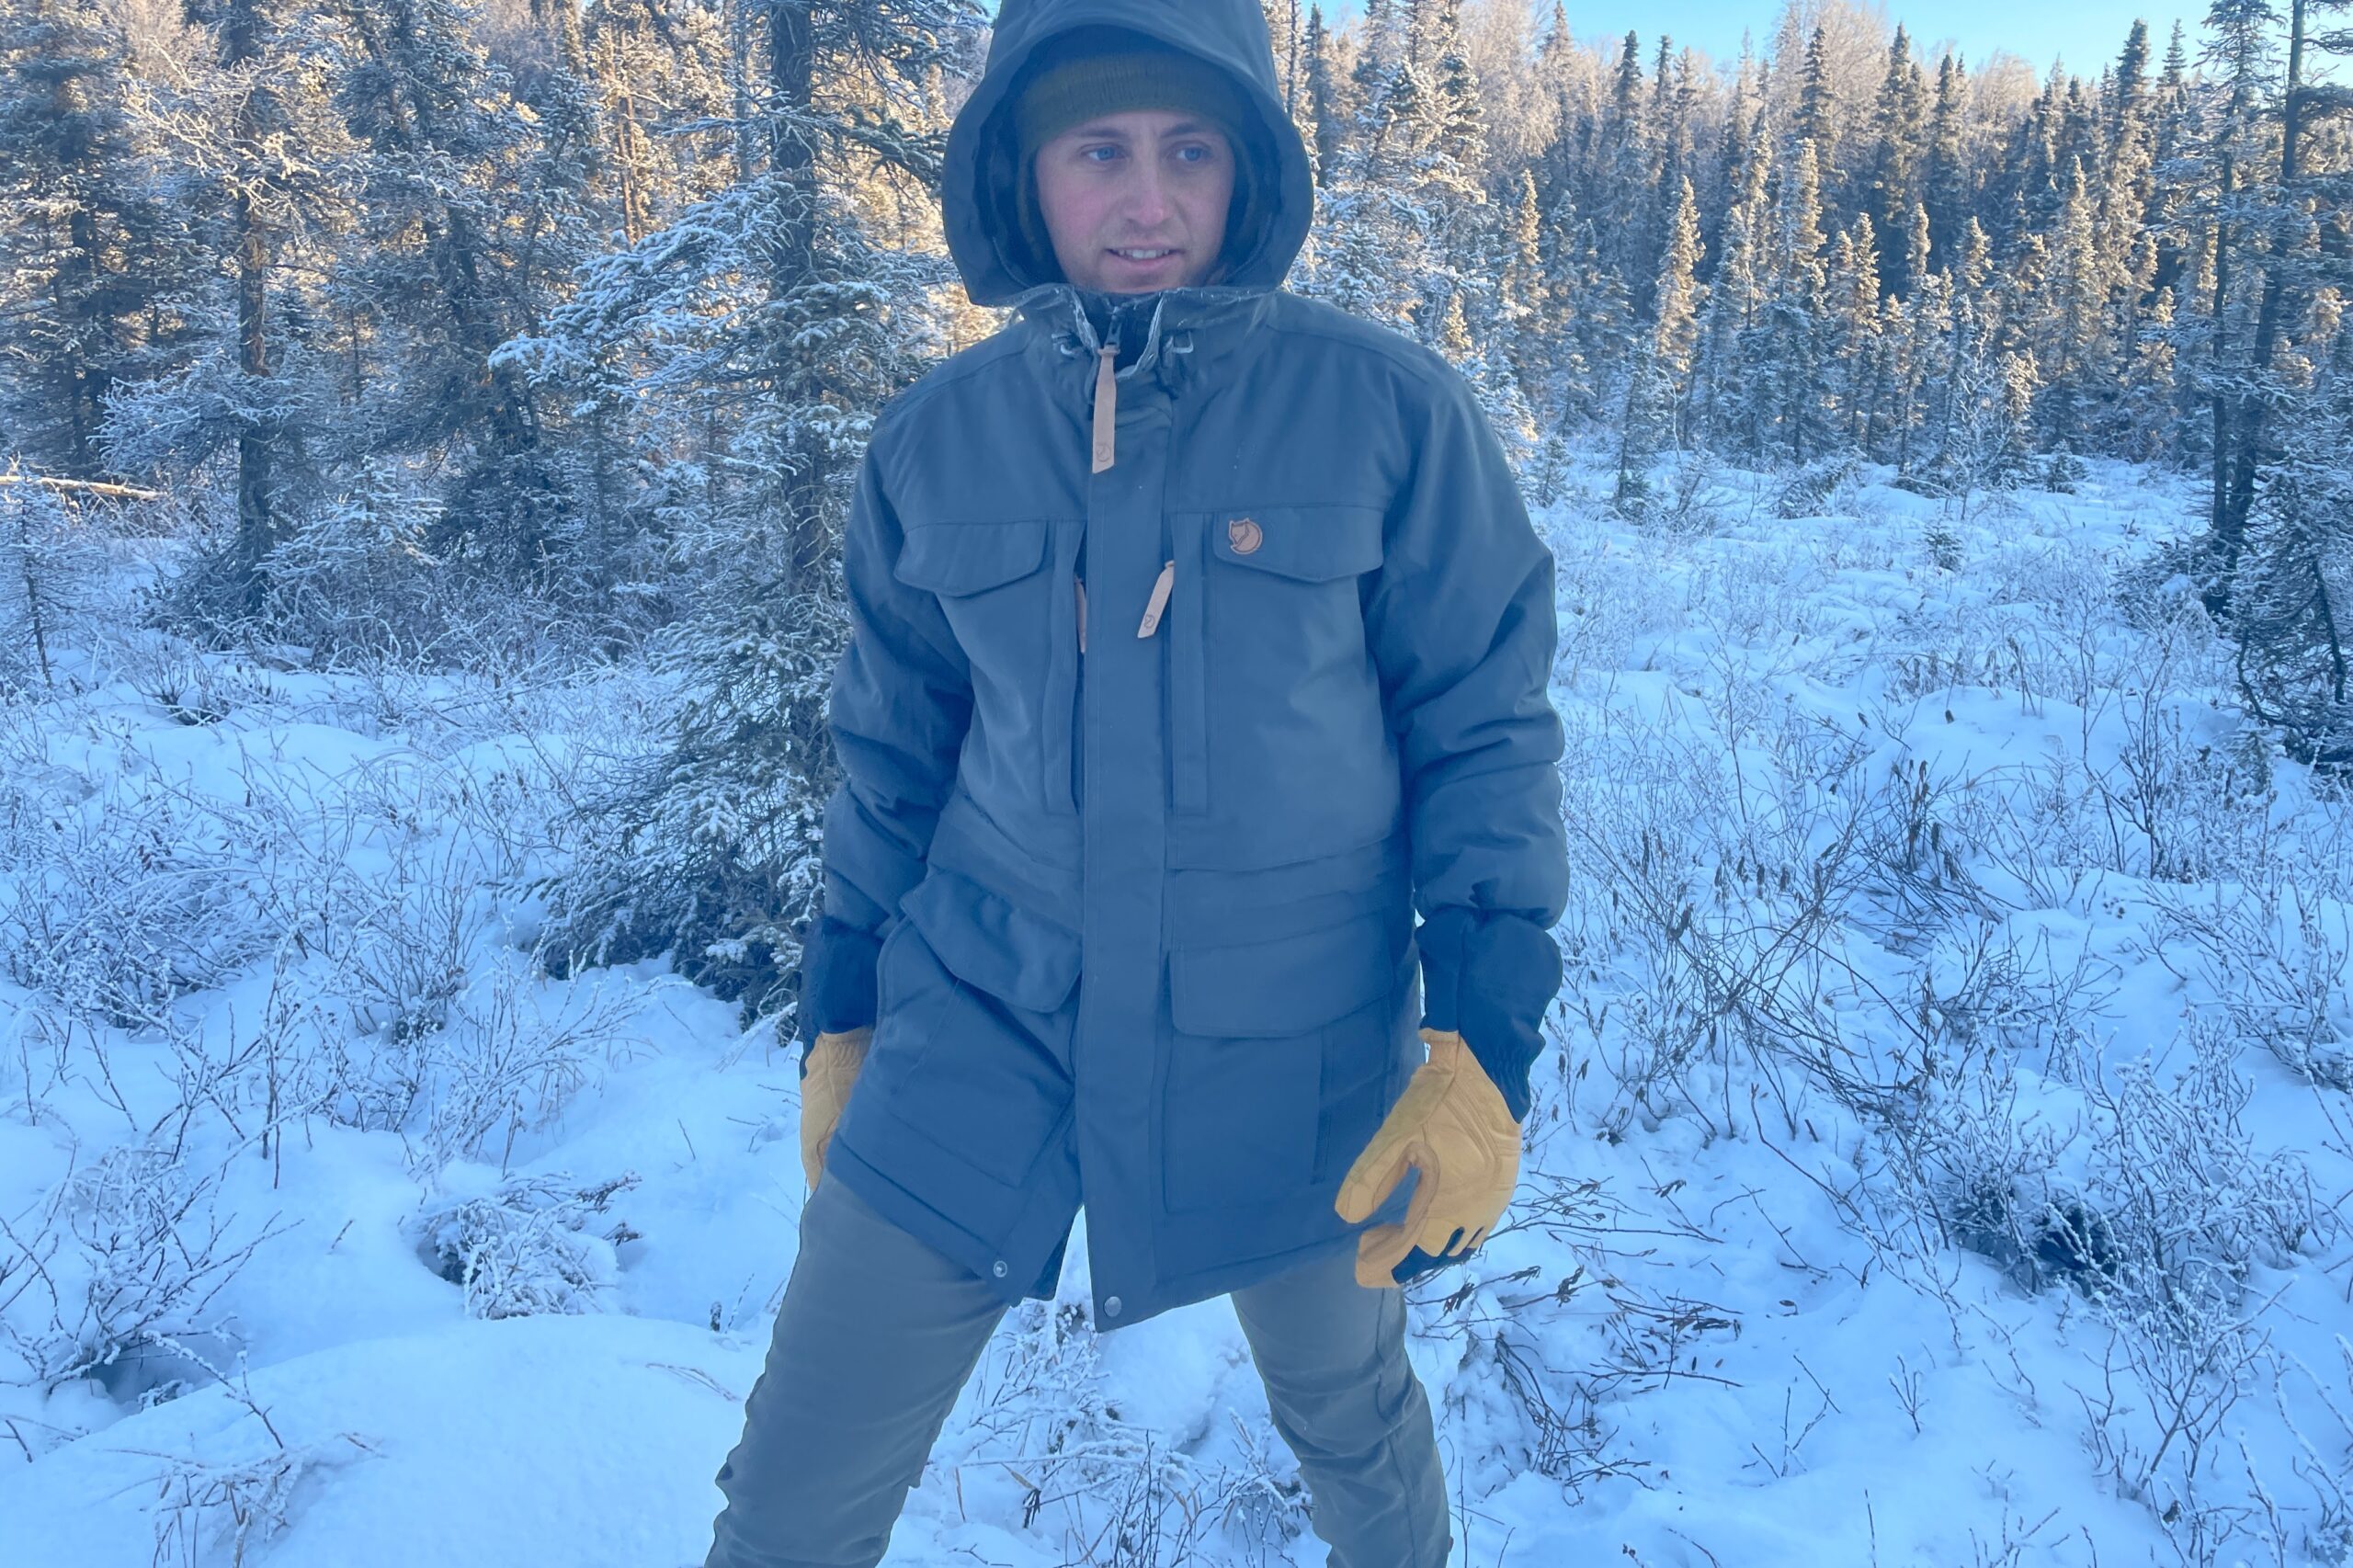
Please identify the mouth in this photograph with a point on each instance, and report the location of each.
(1145, 256)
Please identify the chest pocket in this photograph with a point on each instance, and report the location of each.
(1269, 665)
(1019, 641)
(954, 560)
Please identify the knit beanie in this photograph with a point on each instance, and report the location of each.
(1100, 71)
(1074, 90)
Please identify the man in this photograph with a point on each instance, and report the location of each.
(1200, 639)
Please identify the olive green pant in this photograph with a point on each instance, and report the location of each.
(878, 1334)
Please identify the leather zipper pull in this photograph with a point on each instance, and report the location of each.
(1107, 407)
(1080, 584)
(1159, 604)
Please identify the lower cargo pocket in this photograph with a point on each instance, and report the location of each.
(1278, 1064)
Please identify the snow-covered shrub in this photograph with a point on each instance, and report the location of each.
(190, 685)
(51, 572)
(1981, 1174)
(204, 1507)
(1041, 1409)
(526, 1246)
(2199, 808)
(396, 957)
(138, 896)
(2276, 960)
(1810, 491)
(1610, 597)
(2189, 1204)
(502, 1056)
(354, 578)
(2326, 1467)
(511, 1061)
(117, 1268)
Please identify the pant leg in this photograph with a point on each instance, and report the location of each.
(877, 1334)
(1333, 1355)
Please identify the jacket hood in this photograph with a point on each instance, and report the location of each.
(980, 185)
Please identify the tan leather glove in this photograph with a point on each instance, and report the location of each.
(833, 1062)
(1451, 1125)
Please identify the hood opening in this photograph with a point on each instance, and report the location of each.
(987, 200)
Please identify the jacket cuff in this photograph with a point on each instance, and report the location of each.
(1489, 977)
(836, 979)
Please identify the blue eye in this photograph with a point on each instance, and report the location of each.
(1108, 150)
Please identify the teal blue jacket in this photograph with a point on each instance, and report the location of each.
(1152, 766)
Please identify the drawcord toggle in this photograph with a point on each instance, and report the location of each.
(1107, 406)
(1159, 604)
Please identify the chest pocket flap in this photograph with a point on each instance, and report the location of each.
(956, 559)
(1309, 544)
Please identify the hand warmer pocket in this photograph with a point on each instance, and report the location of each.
(982, 1066)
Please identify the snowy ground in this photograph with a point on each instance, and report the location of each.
(1946, 1164)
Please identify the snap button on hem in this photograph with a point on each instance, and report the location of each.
(997, 1268)
(1111, 1306)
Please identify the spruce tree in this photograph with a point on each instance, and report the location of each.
(89, 246)
(2292, 605)
(1946, 184)
(773, 321)
(445, 140)
(1325, 107)
(1733, 393)
(1899, 125)
(1793, 348)
(257, 385)
(660, 70)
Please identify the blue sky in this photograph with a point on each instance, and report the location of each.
(2088, 33)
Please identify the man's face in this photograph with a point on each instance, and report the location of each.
(1136, 201)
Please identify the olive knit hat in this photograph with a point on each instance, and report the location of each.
(1094, 72)
(1075, 89)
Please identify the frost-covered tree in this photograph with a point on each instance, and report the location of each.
(2280, 242)
(263, 175)
(660, 70)
(751, 344)
(50, 566)
(1796, 301)
(2292, 605)
(90, 250)
(440, 262)
(1659, 382)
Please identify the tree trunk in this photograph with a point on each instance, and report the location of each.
(2245, 430)
(792, 161)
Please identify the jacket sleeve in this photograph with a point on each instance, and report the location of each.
(902, 701)
(1463, 631)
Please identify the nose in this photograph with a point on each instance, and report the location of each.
(1146, 203)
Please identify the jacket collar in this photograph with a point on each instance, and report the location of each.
(1186, 332)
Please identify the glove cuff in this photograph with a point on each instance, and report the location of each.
(1489, 976)
(838, 964)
